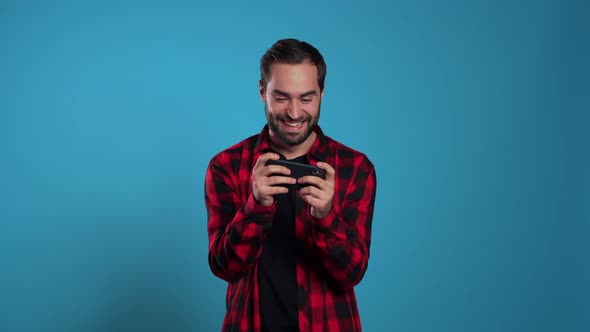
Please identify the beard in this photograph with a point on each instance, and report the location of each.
(290, 139)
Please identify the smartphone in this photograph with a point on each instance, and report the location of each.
(299, 170)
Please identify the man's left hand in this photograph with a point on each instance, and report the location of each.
(318, 193)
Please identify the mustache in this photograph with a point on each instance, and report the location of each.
(302, 118)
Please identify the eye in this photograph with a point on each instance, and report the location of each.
(280, 99)
(306, 100)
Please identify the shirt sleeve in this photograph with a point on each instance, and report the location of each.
(236, 228)
(342, 238)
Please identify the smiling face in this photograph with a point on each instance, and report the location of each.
(292, 99)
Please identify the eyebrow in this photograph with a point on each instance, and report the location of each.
(305, 94)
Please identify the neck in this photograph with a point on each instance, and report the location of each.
(290, 151)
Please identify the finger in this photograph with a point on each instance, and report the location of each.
(276, 169)
(271, 191)
(312, 191)
(330, 172)
(312, 180)
(310, 199)
(279, 180)
(261, 162)
(267, 156)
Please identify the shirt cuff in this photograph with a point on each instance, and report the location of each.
(254, 208)
(325, 222)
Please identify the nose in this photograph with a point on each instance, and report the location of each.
(294, 111)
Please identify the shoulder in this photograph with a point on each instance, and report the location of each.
(349, 155)
(235, 152)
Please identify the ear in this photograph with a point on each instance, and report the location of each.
(261, 90)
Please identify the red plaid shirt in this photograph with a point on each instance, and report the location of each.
(339, 243)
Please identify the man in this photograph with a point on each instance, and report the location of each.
(291, 257)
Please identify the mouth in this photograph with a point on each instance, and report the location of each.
(292, 126)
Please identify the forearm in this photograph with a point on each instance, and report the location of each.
(342, 239)
(343, 254)
(235, 248)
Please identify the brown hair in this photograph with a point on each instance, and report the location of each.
(292, 51)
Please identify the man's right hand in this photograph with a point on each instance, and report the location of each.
(265, 186)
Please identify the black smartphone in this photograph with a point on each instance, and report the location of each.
(299, 170)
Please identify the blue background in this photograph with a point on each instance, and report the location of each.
(475, 114)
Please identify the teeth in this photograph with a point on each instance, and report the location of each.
(293, 124)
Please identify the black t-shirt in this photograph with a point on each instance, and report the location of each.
(277, 276)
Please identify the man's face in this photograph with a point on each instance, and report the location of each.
(292, 100)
